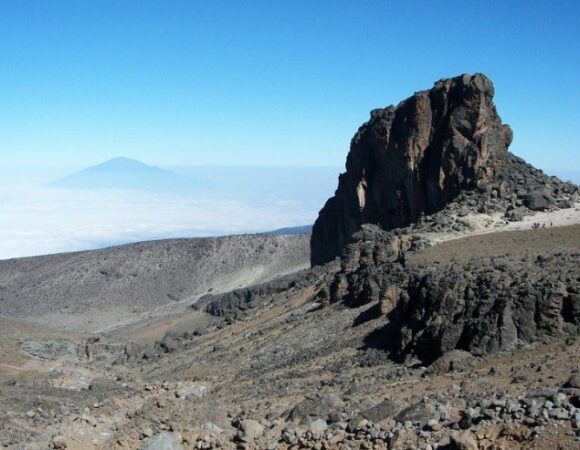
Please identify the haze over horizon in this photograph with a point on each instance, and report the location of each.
(123, 201)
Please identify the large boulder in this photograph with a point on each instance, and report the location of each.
(413, 159)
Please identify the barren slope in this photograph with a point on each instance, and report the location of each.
(92, 290)
(286, 362)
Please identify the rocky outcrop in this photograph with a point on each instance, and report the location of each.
(369, 248)
(440, 151)
(240, 303)
(423, 166)
(483, 306)
(414, 159)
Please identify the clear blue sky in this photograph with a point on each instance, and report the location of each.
(270, 82)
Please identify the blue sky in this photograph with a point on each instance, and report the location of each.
(270, 82)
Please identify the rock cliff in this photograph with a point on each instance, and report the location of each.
(414, 159)
(422, 166)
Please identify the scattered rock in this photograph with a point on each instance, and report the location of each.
(250, 430)
(420, 413)
(453, 361)
(59, 442)
(574, 381)
(387, 409)
(463, 441)
(537, 201)
(318, 427)
(161, 441)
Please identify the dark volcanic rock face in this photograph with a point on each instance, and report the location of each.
(414, 159)
(420, 167)
(484, 306)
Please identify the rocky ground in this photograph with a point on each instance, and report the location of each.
(277, 369)
(97, 290)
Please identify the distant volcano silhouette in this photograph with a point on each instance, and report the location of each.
(124, 173)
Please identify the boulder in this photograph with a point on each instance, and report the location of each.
(161, 441)
(462, 441)
(312, 408)
(318, 427)
(453, 361)
(103, 385)
(387, 409)
(250, 430)
(574, 381)
(421, 413)
(537, 201)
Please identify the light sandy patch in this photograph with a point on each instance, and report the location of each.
(493, 223)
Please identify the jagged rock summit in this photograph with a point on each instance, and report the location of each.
(414, 159)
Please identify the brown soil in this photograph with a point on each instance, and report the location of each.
(502, 243)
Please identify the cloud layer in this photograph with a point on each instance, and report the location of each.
(35, 221)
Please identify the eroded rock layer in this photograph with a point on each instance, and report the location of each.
(484, 305)
(414, 159)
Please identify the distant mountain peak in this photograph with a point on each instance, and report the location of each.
(123, 173)
(123, 161)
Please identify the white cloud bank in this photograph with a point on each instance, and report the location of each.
(37, 221)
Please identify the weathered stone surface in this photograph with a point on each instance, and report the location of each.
(537, 201)
(453, 361)
(250, 430)
(463, 441)
(414, 159)
(387, 409)
(162, 441)
(436, 158)
(483, 307)
(420, 413)
(240, 303)
(480, 307)
(574, 381)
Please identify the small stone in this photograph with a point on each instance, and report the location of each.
(498, 403)
(250, 430)
(59, 442)
(213, 428)
(318, 427)
(162, 441)
(463, 441)
(434, 425)
(362, 424)
(574, 381)
(559, 398)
